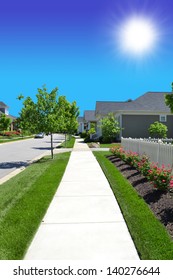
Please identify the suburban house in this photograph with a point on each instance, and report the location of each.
(86, 121)
(135, 116)
(4, 110)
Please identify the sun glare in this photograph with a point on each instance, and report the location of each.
(137, 36)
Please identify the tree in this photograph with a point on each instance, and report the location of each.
(4, 122)
(68, 113)
(48, 114)
(158, 130)
(169, 99)
(110, 128)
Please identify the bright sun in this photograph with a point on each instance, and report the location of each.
(137, 36)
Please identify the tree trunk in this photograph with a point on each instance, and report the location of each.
(65, 140)
(51, 145)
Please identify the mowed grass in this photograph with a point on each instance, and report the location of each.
(68, 144)
(150, 236)
(111, 145)
(23, 202)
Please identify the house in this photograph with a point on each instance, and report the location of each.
(4, 110)
(136, 116)
(87, 120)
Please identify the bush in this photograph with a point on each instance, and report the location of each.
(83, 134)
(144, 165)
(160, 177)
(110, 128)
(158, 130)
(10, 134)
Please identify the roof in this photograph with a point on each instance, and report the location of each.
(89, 115)
(148, 102)
(11, 117)
(80, 119)
(2, 104)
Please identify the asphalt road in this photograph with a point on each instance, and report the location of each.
(17, 154)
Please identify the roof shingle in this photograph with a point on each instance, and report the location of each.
(148, 102)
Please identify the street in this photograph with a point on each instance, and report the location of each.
(17, 154)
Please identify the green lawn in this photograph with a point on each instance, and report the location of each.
(69, 143)
(23, 202)
(150, 236)
(110, 145)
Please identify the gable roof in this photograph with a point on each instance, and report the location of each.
(148, 102)
(2, 104)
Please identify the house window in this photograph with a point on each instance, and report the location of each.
(163, 118)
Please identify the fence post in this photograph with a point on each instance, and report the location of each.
(158, 151)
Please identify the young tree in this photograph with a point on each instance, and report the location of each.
(72, 118)
(4, 122)
(158, 130)
(110, 128)
(47, 114)
(68, 113)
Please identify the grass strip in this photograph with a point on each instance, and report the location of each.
(150, 237)
(110, 145)
(23, 202)
(68, 144)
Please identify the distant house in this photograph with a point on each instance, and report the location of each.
(4, 110)
(86, 121)
(80, 124)
(136, 116)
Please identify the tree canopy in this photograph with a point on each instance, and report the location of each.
(4, 122)
(49, 114)
(169, 99)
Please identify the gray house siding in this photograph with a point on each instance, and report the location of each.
(136, 126)
(169, 124)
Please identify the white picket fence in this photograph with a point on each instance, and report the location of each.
(158, 152)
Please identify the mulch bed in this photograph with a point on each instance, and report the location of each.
(161, 203)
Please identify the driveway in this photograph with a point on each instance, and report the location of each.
(17, 154)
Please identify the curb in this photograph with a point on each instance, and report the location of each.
(20, 169)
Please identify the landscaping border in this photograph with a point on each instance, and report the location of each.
(149, 235)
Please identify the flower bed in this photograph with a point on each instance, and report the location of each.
(10, 134)
(160, 177)
(160, 202)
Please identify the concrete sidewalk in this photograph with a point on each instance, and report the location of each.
(83, 221)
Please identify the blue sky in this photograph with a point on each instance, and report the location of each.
(74, 45)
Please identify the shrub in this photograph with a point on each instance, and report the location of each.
(144, 165)
(158, 130)
(110, 128)
(83, 134)
(10, 134)
(160, 177)
(132, 158)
